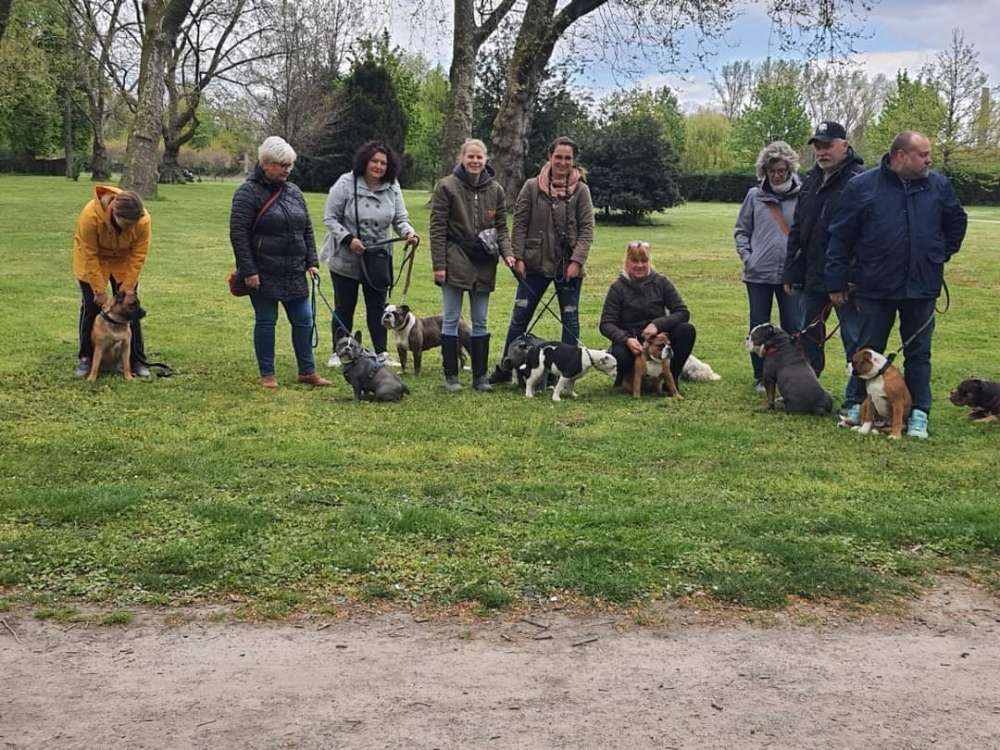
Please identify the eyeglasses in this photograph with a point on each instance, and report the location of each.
(638, 244)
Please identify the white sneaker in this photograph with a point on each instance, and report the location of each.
(383, 359)
(334, 361)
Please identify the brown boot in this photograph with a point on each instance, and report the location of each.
(314, 378)
(269, 381)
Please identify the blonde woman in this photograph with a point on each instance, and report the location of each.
(468, 238)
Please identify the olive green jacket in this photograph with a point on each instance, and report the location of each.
(540, 221)
(461, 210)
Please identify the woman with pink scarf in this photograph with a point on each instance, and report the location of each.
(553, 229)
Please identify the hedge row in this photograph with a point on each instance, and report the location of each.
(974, 189)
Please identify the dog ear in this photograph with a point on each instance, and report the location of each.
(405, 309)
(357, 335)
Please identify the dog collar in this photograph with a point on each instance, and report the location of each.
(886, 366)
(770, 349)
(108, 318)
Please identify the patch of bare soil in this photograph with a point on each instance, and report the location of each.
(927, 678)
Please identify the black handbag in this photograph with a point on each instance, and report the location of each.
(376, 262)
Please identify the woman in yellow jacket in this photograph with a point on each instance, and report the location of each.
(111, 243)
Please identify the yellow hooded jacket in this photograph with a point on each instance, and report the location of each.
(100, 251)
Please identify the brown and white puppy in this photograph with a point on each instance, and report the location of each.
(417, 335)
(112, 335)
(982, 396)
(887, 394)
(653, 362)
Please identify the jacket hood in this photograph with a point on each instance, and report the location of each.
(887, 171)
(485, 177)
(100, 191)
(767, 194)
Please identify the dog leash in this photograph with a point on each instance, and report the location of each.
(934, 313)
(315, 331)
(407, 261)
(546, 306)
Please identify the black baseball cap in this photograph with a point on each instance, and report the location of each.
(827, 131)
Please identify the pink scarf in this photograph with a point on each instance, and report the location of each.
(562, 190)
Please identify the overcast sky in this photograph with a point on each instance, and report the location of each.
(895, 34)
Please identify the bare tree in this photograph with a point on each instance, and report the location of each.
(734, 87)
(960, 81)
(843, 93)
(162, 21)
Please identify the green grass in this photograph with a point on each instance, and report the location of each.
(203, 485)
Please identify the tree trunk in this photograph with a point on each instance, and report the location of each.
(100, 164)
(4, 16)
(162, 24)
(72, 172)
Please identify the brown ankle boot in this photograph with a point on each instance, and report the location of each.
(269, 381)
(314, 378)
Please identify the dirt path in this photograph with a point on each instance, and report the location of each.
(928, 679)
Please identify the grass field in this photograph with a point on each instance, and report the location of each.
(203, 486)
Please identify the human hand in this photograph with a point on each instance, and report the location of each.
(357, 246)
(252, 282)
(572, 270)
(412, 238)
(519, 267)
(788, 289)
(439, 277)
(838, 298)
(130, 296)
(633, 345)
(649, 331)
(313, 271)
(101, 299)
(511, 261)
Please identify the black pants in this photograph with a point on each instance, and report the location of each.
(89, 312)
(345, 299)
(681, 340)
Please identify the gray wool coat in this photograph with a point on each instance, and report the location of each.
(760, 244)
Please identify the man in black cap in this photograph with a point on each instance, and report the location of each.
(805, 261)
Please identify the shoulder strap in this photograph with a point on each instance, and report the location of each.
(779, 218)
(357, 221)
(267, 204)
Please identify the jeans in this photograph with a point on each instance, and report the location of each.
(760, 297)
(529, 296)
(89, 311)
(877, 319)
(681, 341)
(479, 302)
(345, 299)
(299, 312)
(850, 335)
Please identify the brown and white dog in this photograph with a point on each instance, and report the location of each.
(887, 394)
(653, 362)
(417, 335)
(112, 334)
(981, 396)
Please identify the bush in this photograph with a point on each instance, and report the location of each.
(976, 188)
(724, 187)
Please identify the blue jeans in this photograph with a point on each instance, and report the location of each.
(760, 297)
(479, 303)
(529, 296)
(299, 313)
(877, 319)
(850, 335)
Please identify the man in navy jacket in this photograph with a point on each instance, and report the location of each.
(896, 226)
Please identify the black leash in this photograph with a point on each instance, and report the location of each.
(545, 307)
(315, 331)
(934, 313)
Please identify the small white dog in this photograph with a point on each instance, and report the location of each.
(698, 371)
(569, 362)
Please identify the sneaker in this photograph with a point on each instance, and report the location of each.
(850, 416)
(383, 359)
(140, 371)
(917, 424)
(334, 361)
(82, 368)
(758, 386)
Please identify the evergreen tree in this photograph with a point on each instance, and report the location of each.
(914, 105)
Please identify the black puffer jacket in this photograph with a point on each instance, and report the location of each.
(805, 259)
(631, 305)
(281, 247)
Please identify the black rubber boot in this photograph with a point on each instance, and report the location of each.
(449, 358)
(480, 355)
(500, 375)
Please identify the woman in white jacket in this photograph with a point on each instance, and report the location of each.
(761, 238)
(361, 209)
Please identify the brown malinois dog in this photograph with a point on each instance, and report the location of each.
(112, 335)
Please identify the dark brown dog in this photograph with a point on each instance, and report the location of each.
(887, 394)
(112, 335)
(653, 362)
(982, 396)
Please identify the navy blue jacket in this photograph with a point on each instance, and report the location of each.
(898, 234)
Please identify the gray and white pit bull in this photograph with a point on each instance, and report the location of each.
(417, 335)
(786, 368)
(365, 373)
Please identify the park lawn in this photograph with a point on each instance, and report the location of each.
(203, 486)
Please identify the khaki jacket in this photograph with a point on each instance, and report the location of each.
(460, 210)
(540, 220)
(100, 251)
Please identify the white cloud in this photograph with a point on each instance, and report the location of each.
(890, 63)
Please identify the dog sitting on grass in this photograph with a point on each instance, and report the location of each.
(365, 374)
(653, 363)
(112, 334)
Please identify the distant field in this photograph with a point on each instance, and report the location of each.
(202, 486)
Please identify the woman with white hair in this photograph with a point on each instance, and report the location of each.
(761, 234)
(272, 238)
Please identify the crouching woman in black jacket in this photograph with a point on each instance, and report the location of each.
(640, 304)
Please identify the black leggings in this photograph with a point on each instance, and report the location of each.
(345, 299)
(89, 312)
(681, 340)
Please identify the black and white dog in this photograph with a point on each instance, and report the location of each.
(517, 354)
(568, 362)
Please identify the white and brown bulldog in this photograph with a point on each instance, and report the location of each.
(417, 335)
(653, 363)
(888, 397)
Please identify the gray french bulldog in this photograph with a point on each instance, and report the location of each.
(365, 374)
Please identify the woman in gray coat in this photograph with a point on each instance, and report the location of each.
(361, 209)
(761, 238)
